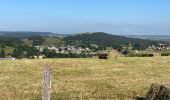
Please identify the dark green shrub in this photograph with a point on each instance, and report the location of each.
(165, 54)
(141, 55)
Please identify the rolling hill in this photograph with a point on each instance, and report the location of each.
(99, 39)
(107, 40)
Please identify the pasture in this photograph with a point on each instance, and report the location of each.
(83, 79)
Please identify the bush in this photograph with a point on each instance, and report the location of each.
(165, 54)
(141, 55)
(103, 56)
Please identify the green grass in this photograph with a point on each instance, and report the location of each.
(52, 41)
(90, 79)
(47, 41)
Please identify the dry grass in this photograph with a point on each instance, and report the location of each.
(86, 79)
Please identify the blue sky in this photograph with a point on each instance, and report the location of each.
(76, 16)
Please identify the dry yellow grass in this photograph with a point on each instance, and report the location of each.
(86, 79)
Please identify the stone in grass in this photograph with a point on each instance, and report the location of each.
(156, 92)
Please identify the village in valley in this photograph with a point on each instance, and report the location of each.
(37, 50)
(65, 50)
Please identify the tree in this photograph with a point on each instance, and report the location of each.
(3, 45)
(46, 52)
(2, 54)
(125, 52)
(17, 53)
(32, 52)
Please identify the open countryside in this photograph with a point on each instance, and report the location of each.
(84, 50)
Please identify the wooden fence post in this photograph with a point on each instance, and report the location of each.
(46, 92)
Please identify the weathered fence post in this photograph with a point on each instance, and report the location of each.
(46, 92)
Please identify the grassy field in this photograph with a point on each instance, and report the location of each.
(86, 79)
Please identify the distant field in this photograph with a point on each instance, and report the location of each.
(47, 41)
(89, 79)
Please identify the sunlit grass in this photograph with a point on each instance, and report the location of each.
(89, 79)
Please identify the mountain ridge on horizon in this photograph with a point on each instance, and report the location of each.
(82, 32)
(22, 34)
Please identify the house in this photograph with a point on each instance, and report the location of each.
(163, 46)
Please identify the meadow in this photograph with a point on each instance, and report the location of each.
(83, 79)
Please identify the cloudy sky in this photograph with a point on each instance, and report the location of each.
(134, 17)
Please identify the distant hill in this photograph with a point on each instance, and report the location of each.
(151, 37)
(107, 40)
(28, 34)
(94, 40)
